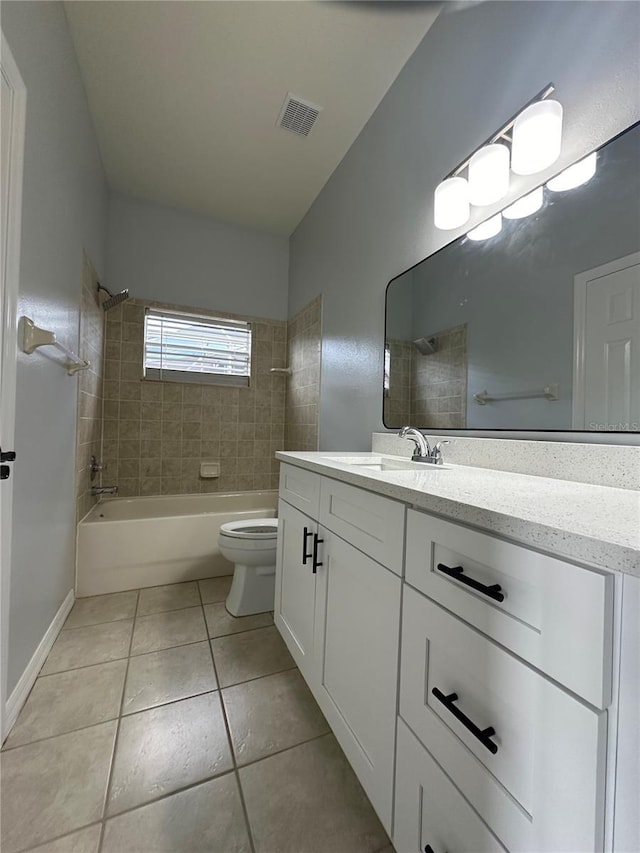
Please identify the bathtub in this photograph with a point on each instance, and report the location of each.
(126, 543)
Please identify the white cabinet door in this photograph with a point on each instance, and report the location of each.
(431, 814)
(295, 600)
(357, 630)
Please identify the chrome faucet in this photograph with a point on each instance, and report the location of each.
(103, 490)
(423, 452)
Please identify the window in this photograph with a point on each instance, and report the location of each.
(190, 348)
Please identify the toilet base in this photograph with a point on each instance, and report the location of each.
(252, 591)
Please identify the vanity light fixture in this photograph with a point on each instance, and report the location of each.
(489, 174)
(575, 175)
(487, 229)
(535, 135)
(451, 203)
(526, 205)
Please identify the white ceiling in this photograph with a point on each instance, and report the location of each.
(185, 95)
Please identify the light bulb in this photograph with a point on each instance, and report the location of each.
(489, 174)
(451, 203)
(525, 206)
(575, 175)
(537, 137)
(487, 229)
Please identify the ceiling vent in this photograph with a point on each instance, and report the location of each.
(298, 115)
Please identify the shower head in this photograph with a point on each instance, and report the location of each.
(426, 346)
(114, 298)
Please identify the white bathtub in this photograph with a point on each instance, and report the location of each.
(126, 543)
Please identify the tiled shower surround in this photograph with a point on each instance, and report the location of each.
(430, 390)
(157, 433)
(304, 331)
(89, 431)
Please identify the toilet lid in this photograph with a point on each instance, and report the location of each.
(251, 528)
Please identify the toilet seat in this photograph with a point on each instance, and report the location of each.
(251, 528)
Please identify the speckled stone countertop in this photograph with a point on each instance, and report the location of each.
(595, 525)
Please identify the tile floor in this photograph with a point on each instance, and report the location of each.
(161, 723)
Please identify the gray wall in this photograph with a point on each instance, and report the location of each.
(64, 211)
(374, 218)
(168, 255)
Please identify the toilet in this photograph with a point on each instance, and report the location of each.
(251, 546)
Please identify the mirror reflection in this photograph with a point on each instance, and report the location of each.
(535, 328)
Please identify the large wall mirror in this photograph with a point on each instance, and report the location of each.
(537, 328)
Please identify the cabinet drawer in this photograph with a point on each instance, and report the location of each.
(541, 784)
(555, 615)
(300, 488)
(371, 523)
(429, 811)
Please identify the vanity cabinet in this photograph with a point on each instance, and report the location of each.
(477, 687)
(337, 607)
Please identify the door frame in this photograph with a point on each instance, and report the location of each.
(9, 284)
(579, 332)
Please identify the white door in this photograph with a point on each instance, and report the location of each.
(12, 106)
(295, 601)
(607, 361)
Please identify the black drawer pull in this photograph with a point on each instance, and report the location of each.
(428, 848)
(306, 533)
(457, 572)
(483, 735)
(316, 564)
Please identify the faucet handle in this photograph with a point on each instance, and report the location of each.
(436, 453)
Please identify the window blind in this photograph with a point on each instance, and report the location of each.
(192, 348)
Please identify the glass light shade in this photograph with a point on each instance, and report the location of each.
(489, 174)
(525, 206)
(537, 137)
(575, 175)
(487, 229)
(451, 203)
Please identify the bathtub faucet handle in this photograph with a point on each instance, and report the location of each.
(94, 467)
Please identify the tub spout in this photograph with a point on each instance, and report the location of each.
(103, 490)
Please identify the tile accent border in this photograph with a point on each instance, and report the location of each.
(613, 465)
(28, 678)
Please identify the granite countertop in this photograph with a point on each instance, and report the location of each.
(596, 525)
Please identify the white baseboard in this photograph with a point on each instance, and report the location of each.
(27, 679)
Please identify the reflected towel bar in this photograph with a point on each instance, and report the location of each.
(549, 392)
(34, 337)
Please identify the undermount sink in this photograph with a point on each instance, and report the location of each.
(381, 463)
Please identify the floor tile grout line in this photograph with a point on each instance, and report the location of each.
(6, 749)
(284, 749)
(117, 736)
(59, 837)
(66, 627)
(75, 669)
(243, 804)
(167, 794)
(257, 677)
